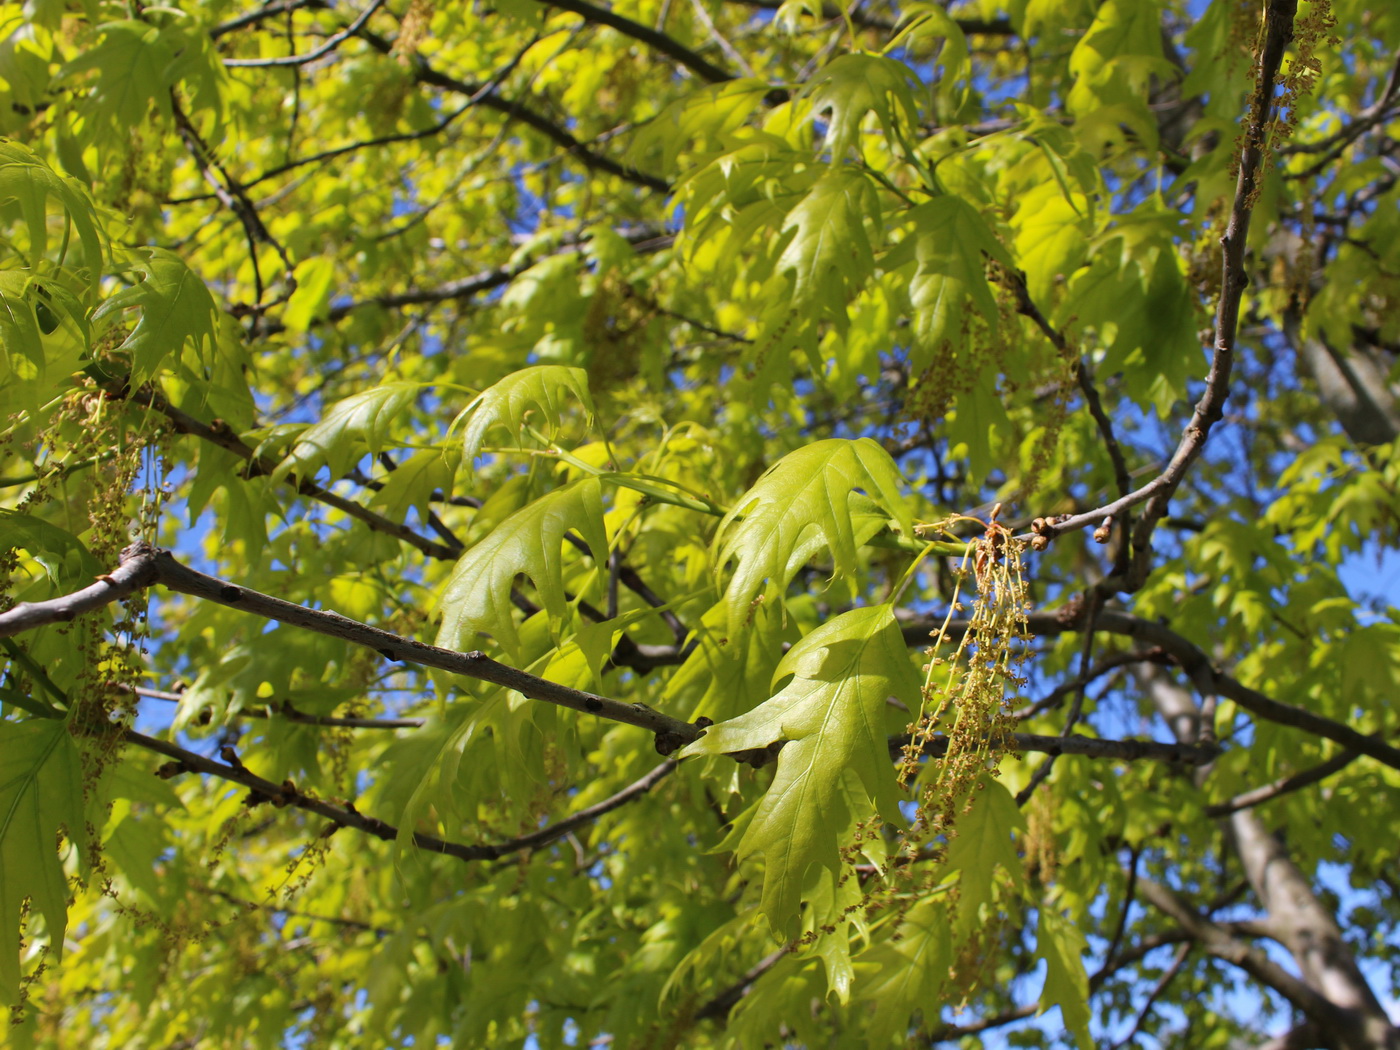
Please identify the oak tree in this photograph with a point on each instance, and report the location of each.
(723, 523)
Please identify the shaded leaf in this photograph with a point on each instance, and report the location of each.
(829, 254)
(851, 86)
(950, 245)
(40, 793)
(176, 309)
(1062, 947)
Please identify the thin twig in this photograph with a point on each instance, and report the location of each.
(331, 43)
(1284, 785)
(1157, 493)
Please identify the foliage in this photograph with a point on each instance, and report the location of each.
(946, 434)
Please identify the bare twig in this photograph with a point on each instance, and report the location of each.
(287, 794)
(291, 714)
(1160, 987)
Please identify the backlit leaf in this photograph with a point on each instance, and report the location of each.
(40, 793)
(476, 599)
(832, 715)
(806, 502)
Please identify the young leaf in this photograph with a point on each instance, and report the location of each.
(416, 479)
(829, 254)
(40, 792)
(951, 243)
(130, 66)
(26, 184)
(805, 502)
(851, 86)
(907, 974)
(1114, 61)
(351, 428)
(832, 714)
(175, 305)
(1062, 947)
(982, 843)
(476, 600)
(507, 403)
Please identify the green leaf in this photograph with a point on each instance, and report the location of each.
(829, 255)
(41, 792)
(1114, 61)
(950, 243)
(907, 974)
(27, 185)
(1062, 946)
(65, 558)
(176, 309)
(130, 66)
(833, 716)
(724, 676)
(1135, 298)
(980, 844)
(476, 599)
(316, 283)
(507, 404)
(352, 428)
(415, 480)
(700, 120)
(852, 86)
(806, 502)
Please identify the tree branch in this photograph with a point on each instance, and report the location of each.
(124, 581)
(330, 44)
(1157, 493)
(557, 133)
(287, 794)
(1218, 942)
(1284, 785)
(668, 46)
(218, 433)
(1191, 659)
(718, 1008)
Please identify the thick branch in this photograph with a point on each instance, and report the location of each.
(1218, 942)
(130, 577)
(668, 46)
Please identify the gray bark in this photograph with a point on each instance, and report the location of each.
(1354, 1018)
(1355, 384)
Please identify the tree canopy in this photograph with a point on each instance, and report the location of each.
(708, 523)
